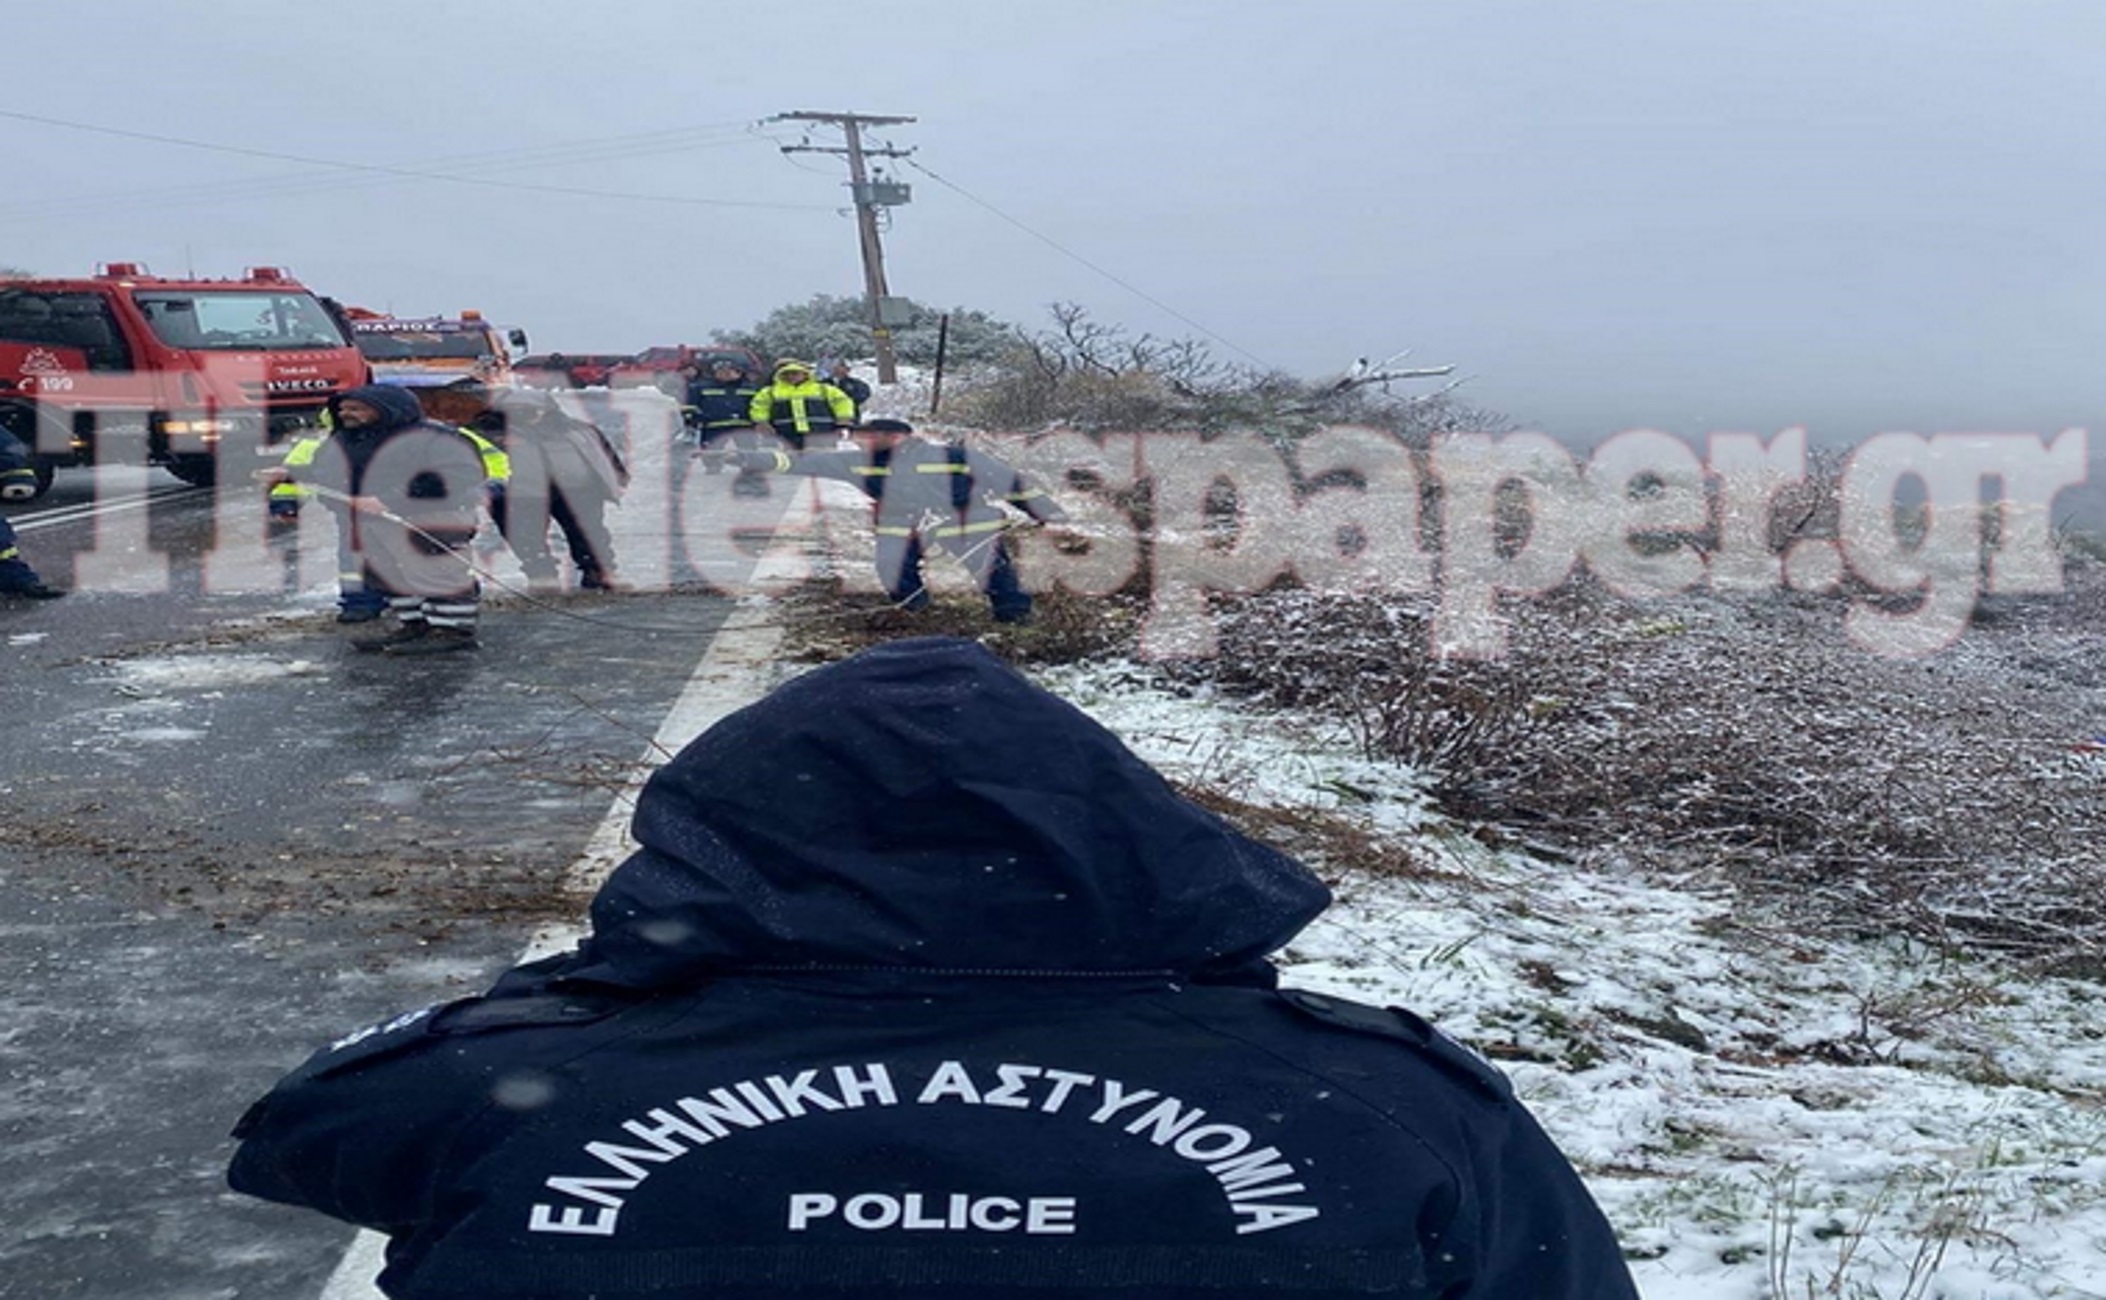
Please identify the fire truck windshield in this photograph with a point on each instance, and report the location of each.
(412, 344)
(236, 321)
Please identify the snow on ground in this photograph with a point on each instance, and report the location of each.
(1748, 1123)
(1761, 1114)
(156, 696)
(205, 672)
(906, 400)
(909, 398)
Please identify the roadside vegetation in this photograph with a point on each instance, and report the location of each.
(1798, 949)
(1953, 798)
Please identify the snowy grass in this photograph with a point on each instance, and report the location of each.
(1762, 1113)
(1692, 912)
(1943, 798)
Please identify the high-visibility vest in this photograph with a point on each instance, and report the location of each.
(497, 465)
(299, 455)
(836, 407)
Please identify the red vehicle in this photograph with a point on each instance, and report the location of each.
(660, 367)
(164, 371)
(567, 369)
(651, 368)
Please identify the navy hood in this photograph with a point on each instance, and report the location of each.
(398, 407)
(922, 806)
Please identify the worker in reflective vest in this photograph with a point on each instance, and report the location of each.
(926, 493)
(796, 405)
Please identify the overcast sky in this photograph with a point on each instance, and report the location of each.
(1856, 216)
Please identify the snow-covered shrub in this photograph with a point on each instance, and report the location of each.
(1745, 738)
(829, 326)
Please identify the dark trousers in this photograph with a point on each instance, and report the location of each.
(584, 533)
(825, 433)
(986, 558)
(727, 438)
(715, 447)
(752, 482)
(352, 593)
(15, 573)
(454, 607)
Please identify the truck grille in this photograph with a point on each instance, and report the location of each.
(291, 390)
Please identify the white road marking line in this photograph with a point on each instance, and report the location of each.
(58, 515)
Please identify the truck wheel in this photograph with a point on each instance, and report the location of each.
(197, 471)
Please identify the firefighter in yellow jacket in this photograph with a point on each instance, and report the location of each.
(794, 405)
(797, 405)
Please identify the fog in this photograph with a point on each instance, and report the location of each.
(1853, 218)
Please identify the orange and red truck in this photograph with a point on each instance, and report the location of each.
(428, 348)
(132, 367)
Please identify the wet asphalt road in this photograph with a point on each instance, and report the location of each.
(226, 838)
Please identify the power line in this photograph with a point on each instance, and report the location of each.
(814, 171)
(870, 199)
(607, 148)
(1067, 252)
(404, 172)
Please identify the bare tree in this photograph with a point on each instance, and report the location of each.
(1089, 374)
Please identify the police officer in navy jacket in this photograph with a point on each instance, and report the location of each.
(922, 985)
(18, 482)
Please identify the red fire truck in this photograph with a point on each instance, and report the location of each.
(163, 371)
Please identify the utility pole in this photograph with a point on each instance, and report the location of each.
(869, 197)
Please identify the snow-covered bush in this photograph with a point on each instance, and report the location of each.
(827, 326)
